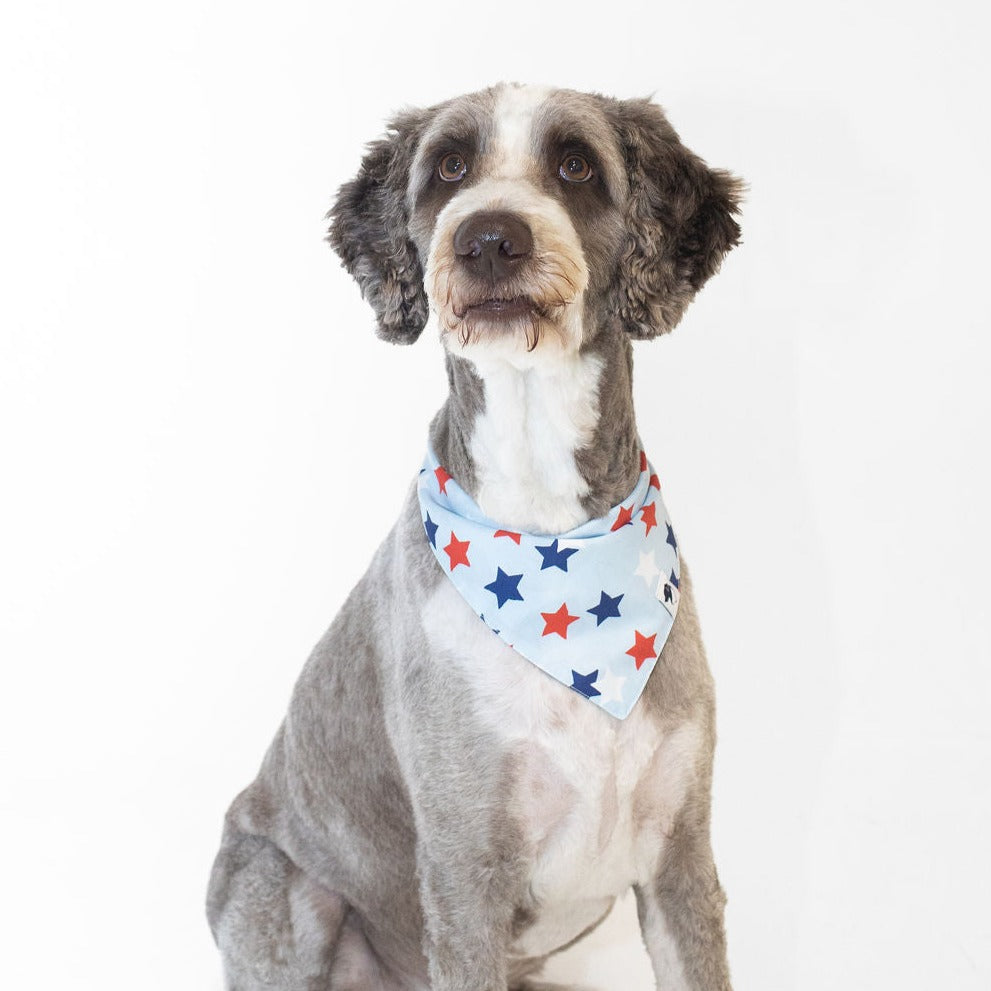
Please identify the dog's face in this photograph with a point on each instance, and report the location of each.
(520, 215)
(515, 201)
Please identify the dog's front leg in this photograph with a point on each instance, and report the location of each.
(681, 915)
(470, 856)
(469, 889)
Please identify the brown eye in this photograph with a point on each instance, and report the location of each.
(452, 167)
(574, 168)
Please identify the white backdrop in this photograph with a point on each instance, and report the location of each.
(189, 382)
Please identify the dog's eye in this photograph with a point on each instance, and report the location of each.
(452, 167)
(574, 168)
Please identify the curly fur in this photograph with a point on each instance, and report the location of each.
(370, 231)
(679, 218)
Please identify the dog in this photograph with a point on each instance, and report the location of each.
(437, 811)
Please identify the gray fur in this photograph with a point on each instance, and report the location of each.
(679, 218)
(369, 230)
(450, 430)
(378, 847)
(609, 463)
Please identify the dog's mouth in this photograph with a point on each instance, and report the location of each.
(500, 308)
(501, 317)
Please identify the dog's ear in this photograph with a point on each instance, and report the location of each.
(369, 229)
(679, 220)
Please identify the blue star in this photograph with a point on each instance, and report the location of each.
(582, 683)
(671, 540)
(608, 606)
(431, 529)
(674, 579)
(505, 587)
(554, 558)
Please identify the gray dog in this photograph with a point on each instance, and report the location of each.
(436, 811)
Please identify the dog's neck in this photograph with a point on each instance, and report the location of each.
(544, 443)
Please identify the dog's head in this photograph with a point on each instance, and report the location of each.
(517, 212)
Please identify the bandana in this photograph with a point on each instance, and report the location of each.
(591, 607)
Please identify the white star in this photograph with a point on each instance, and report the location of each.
(647, 569)
(610, 685)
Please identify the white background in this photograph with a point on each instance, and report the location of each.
(203, 442)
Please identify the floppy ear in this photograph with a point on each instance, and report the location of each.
(369, 229)
(679, 220)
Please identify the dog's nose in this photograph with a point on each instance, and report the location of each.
(492, 244)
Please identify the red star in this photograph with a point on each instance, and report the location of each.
(655, 482)
(457, 551)
(558, 622)
(514, 537)
(643, 460)
(442, 478)
(649, 516)
(625, 516)
(643, 648)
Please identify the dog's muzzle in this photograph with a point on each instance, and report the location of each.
(501, 273)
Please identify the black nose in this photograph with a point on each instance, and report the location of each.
(493, 244)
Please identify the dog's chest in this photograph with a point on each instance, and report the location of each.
(579, 786)
(593, 795)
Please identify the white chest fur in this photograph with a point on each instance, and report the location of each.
(595, 795)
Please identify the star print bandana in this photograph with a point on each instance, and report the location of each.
(591, 607)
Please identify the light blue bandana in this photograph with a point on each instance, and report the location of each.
(591, 607)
